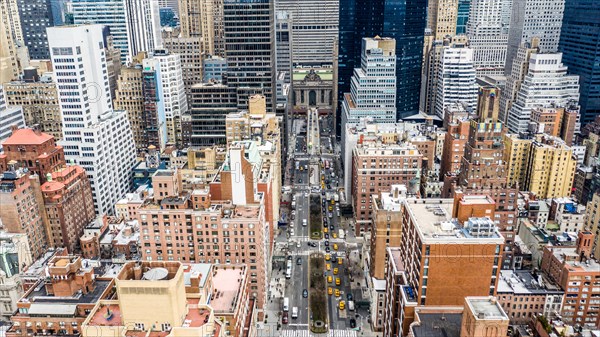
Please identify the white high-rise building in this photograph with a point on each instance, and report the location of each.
(94, 135)
(143, 26)
(487, 36)
(373, 85)
(455, 79)
(546, 84)
(315, 25)
(173, 97)
(534, 18)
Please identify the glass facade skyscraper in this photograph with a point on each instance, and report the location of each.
(36, 16)
(402, 20)
(464, 7)
(580, 45)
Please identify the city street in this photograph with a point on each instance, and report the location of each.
(315, 170)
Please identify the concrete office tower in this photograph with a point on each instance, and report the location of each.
(431, 68)
(9, 62)
(173, 96)
(250, 47)
(283, 54)
(455, 79)
(94, 135)
(314, 27)
(143, 26)
(110, 13)
(486, 37)
(546, 84)
(191, 54)
(203, 19)
(580, 45)
(534, 18)
(373, 90)
(36, 16)
(520, 68)
(129, 97)
(441, 17)
(39, 99)
(404, 21)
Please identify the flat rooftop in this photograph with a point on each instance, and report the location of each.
(523, 282)
(433, 219)
(227, 283)
(39, 294)
(193, 269)
(486, 308)
(438, 325)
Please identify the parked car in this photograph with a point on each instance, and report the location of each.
(284, 318)
(352, 323)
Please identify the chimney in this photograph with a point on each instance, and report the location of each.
(14, 128)
(36, 129)
(137, 272)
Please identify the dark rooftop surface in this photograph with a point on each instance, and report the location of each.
(438, 325)
(41, 296)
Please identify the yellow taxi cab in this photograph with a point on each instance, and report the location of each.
(329, 278)
(337, 281)
(327, 257)
(332, 202)
(339, 260)
(328, 266)
(342, 305)
(334, 235)
(337, 292)
(325, 230)
(335, 246)
(335, 271)
(330, 208)
(330, 290)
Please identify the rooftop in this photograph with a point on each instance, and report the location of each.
(38, 294)
(27, 137)
(227, 283)
(190, 270)
(524, 282)
(107, 315)
(438, 325)
(486, 308)
(433, 219)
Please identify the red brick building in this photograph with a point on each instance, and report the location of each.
(69, 206)
(34, 150)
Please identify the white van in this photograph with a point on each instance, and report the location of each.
(351, 305)
(286, 304)
(295, 312)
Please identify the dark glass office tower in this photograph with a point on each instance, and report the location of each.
(250, 46)
(403, 20)
(464, 7)
(580, 45)
(36, 16)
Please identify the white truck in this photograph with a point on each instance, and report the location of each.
(341, 233)
(351, 305)
(336, 197)
(286, 304)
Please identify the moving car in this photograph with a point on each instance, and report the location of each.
(338, 281)
(330, 290)
(335, 271)
(299, 261)
(337, 292)
(295, 312)
(342, 305)
(305, 293)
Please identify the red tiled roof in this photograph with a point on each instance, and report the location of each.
(27, 137)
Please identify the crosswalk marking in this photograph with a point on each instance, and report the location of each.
(330, 333)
